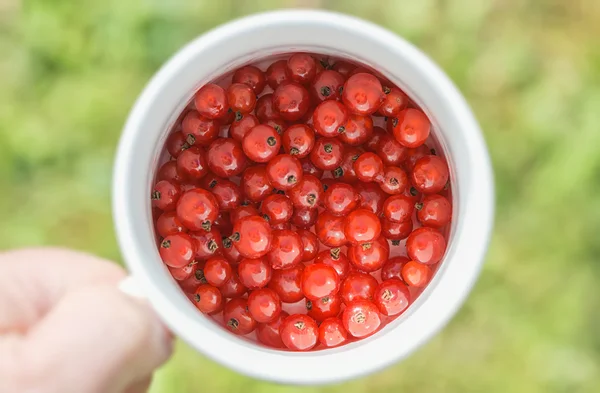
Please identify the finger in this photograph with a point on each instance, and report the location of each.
(97, 340)
(33, 280)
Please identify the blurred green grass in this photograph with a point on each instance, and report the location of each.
(70, 71)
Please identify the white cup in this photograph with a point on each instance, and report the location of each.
(252, 38)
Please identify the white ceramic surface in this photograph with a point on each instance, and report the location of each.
(246, 40)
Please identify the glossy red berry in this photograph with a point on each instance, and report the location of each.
(208, 243)
(169, 224)
(362, 226)
(255, 183)
(199, 130)
(299, 332)
(191, 163)
(327, 85)
(361, 318)
(329, 118)
(168, 171)
(332, 333)
(369, 167)
(264, 305)
(398, 208)
(284, 172)
(184, 272)
(390, 151)
(176, 143)
(268, 333)
(291, 100)
(340, 199)
(286, 250)
(416, 274)
(233, 288)
(177, 250)
(307, 193)
(277, 73)
(208, 299)
(264, 109)
(309, 168)
(344, 68)
(239, 128)
(278, 124)
(363, 94)
(358, 285)
(395, 180)
(330, 229)
(319, 280)
(336, 259)
(327, 153)
(251, 76)
(304, 217)
(395, 101)
(435, 211)
(426, 245)
(369, 257)
(410, 128)
(217, 271)
(298, 140)
(302, 68)
(261, 143)
(357, 130)
(430, 174)
(165, 195)
(393, 268)
(226, 158)
(211, 101)
(197, 209)
(288, 284)
(241, 98)
(345, 172)
(371, 196)
(392, 297)
(252, 236)
(276, 209)
(227, 194)
(310, 244)
(413, 155)
(237, 318)
(323, 308)
(396, 231)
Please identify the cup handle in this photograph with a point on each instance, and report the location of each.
(130, 286)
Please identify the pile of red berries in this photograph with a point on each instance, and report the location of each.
(279, 206)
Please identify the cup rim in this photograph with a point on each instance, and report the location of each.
(431, 88)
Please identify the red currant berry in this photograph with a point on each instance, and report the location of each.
(396, 231)
(252, 236)
(413, 155)
(326, 307)
(330, 229)
(255, 183)
(309, 168)
(288, 283)
(426, 245)
(398, 208)
(395, 101)
(177, 250)
(345, 172)
(363, 94)
(362, 226)
(197, 209)
(307, 193)
(239, 128)
(168, 171)
(392, 297)
(217, 271)
(361, 318)
(302, 68)
(286, 250)
(329, 118)
(233, 288)
(327, 85)
(264, 305)
(373, 143)
(332, 333)
(190, 284)
(165, 195)
(371, 196)
(237, 318)
(395, 180)
(191, 163)
(327, 153)
(299, 332)
(264, 109)
(336, 259)
(208, 243)
(390, 151)
(416, 274)
(357, 130)
(268, 333)
(211, 101)
(410, 127)
(430, 175)
(207, 299)
(298, 140)
(369, 167)
(277, 209)
(277, 73)
(369, 257)
(176, 143)
(278, 124)
(226, 158)
(340, 199)
(319, 280)
(261, 143)
(393, 268)
(310, 244)
(358, 285)
(284, 171)
(291, 100)
(435, 211)
(227, 194)
(251, 76)
(183, 273)
(168, 224)
(241, 98)
(304, 217)
(199, 130)
(344, 68)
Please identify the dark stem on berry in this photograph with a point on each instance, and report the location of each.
(433, 152)
(341, 129)
(278, 129)
(418, 206)
(325, 300)
(190, 140)
(235, 237)
(366, 246)
(166, 244)
(266, 217)
(413, 191)
(387, 90)
(338, 172)
(244, 203)
(387, 295)
(308, 305)
(328, 148)
(233, 324)
(325, 91)
(385, 118)
(292, 179)
(212, 184)
(325, 187)
(185, 146)
(394, 181)
(206, 226)
(395, 121)
(360, 317)
(197, 298)
(395, 242)
(271, 141)
(335, 253)
(227, 243)
(341, 90)
(155, 195)
(212, 245)
(299, 325)
(294, 151)
(199, 274)
(311, 199)
(229, 110)
(280, 192)
(325, 64)
(238, 116)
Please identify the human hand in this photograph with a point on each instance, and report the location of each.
(65, 327)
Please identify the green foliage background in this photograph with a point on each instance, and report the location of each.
(70, 71)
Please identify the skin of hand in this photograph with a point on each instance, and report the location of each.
(66, 327)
